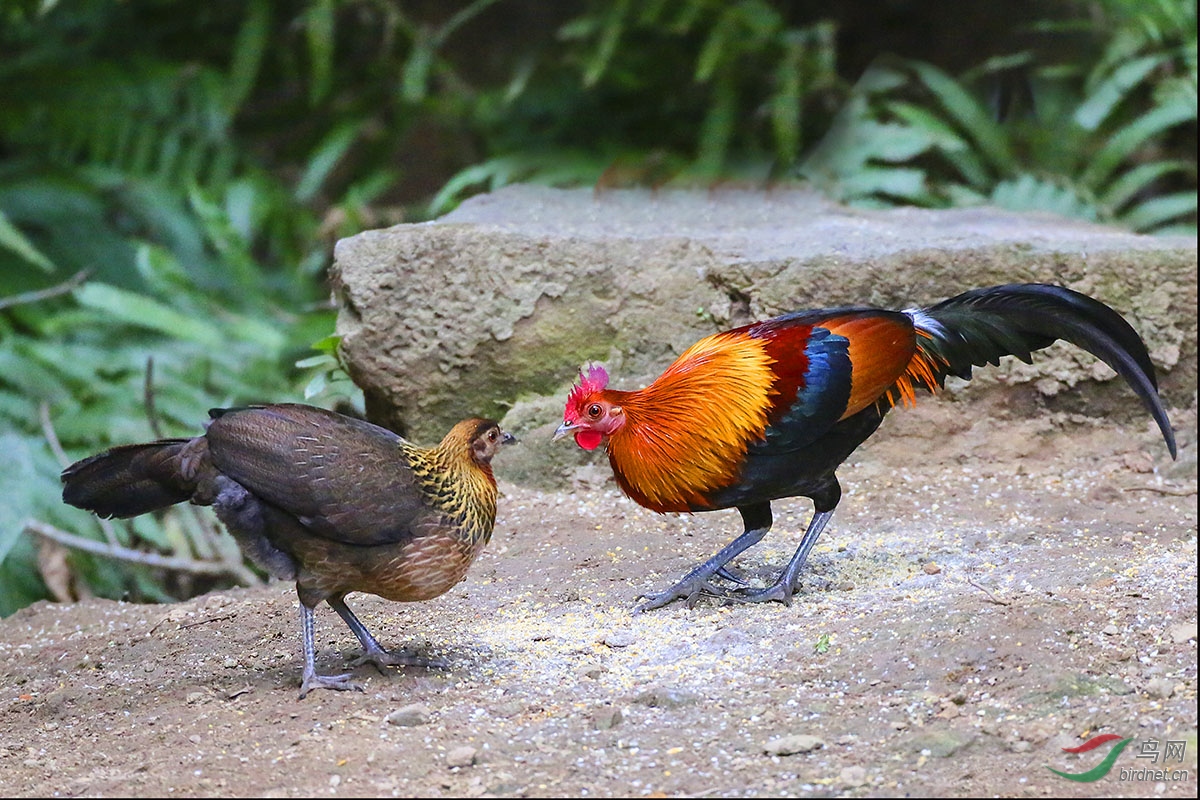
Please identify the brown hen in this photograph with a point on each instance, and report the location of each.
(334, 503)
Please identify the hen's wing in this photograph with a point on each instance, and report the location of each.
(344, 479)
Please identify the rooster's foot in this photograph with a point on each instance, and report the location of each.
(341, 683)
(689, 591)
(780, 592)
(398, 658)
(732, 577)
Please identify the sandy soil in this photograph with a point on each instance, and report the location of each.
(989, 593)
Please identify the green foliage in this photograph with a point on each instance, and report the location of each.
(198, 259)
(1096, 144)
(683, 90)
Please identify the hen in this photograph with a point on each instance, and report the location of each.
(334, 503)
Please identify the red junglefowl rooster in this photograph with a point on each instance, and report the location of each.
(770, 410)
(334, 503)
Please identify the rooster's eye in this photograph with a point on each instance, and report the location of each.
(594, 410)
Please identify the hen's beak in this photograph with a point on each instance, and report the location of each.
(563, 430)
(508, 438)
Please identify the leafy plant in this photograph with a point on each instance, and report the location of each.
(671, 90)
(1095, 144)
(189, 254)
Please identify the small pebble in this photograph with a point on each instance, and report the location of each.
(665, 697)
(592, 670)
(606, 718)
(949, 712)
(461, 756)
(618, 639)
(853, 777)
(931, 568)
(409, 716)
(1110, 630)
(791, 745)
(1182, 632)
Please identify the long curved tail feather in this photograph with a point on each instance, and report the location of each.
(981, 326)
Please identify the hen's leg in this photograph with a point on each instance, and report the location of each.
(372, 651)
(757, 520)
(310, 679)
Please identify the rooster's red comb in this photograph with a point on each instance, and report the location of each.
(592, 378)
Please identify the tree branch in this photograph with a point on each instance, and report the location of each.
(65, 287)
(121, 553)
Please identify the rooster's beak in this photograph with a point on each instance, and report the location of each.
(563, 430)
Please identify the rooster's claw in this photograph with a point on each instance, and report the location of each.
(689, 591)
(341, 683)
(383, 658)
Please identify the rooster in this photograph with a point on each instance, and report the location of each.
(334, 503)
(770, 410)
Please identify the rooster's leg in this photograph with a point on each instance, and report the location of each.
(311, 680)
(724, 572)
(783, 588)
(757, 519)
(825, 502)
(372, 652)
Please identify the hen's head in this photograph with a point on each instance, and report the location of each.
(591, 412)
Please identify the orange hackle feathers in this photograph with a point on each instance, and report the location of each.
(688, 431)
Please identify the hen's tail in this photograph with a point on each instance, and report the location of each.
(980, 326)
(130, 480)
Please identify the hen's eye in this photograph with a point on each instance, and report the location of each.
(594, 410)
(491, 436)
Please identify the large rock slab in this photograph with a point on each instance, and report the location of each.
(491, 309)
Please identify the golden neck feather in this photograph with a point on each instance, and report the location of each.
(456, 484)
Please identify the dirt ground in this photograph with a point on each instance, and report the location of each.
(988, 593)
